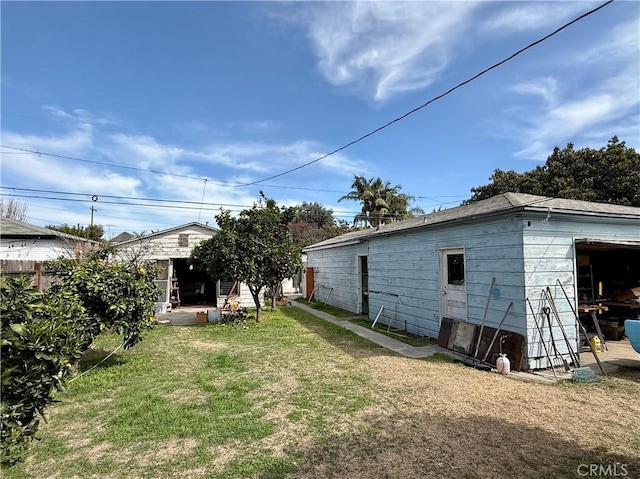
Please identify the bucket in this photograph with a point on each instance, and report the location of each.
(214, 315)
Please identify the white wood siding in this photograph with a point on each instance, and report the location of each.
(36, 249)
(550, 256)
(167, 246)
(336, 275)
(524, 252)
(403, 275)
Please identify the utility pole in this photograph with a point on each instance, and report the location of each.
(92, 210)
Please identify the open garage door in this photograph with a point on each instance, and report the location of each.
(608, 276)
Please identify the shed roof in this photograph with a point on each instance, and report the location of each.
(506, 203)
(10, 228)
(175, 229)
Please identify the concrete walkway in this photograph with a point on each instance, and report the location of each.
(378, 338)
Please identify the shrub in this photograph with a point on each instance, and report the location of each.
(44, 334)
(117, 296)
(39, 342)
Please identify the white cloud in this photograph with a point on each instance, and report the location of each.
(591, 97)
(386, 47)
(570, 120)
(78, 139)
(620, 43)
(79, 116)
(236, 162)
(519, 16)
(545, 87)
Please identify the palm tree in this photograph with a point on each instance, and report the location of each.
(376, 198)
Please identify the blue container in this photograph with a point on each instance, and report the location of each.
(632, 330)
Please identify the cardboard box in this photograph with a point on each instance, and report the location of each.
(201, 317)
(628, 294)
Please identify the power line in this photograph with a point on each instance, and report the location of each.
(186, 202)
(103, 163)
(138, 198)
(486, 70)
(25, 151)
(351, 143)
(196, 205)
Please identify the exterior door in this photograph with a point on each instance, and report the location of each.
(364, 284)
(452, 284)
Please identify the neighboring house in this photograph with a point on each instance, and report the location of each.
(122, 237)
(179, 282)
(428, 273)
(24, 247)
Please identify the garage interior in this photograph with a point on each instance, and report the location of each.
(190, 286)
(608, 285)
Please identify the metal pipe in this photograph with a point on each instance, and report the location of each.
(544, 345)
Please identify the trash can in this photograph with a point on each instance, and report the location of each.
(214, 315)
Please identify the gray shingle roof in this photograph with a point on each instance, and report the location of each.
(167, 231)
(124, 236)
(495, 206)
(10, 228)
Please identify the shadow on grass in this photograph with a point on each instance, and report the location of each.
(326, 308)
(623, 371)
(476, 446)
(342, 338)
(99, 358)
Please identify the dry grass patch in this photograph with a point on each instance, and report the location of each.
(300, 398)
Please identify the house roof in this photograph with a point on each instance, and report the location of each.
(175, 229)
(124, 236)
(506, 203)
(10, 228)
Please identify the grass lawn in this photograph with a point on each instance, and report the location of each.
(297, 397)
(332, 310)
(405, 337)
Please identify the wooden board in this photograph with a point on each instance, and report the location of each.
(445, 332)
(462, 337)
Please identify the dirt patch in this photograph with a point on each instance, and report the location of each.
(158, 453)
(207, 346)
(445, 420)
(224, 454)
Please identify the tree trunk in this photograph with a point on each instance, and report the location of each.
(274, 298)
(256, 299)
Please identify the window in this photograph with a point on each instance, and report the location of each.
(183, 240)
(455, 269)
(226, 285)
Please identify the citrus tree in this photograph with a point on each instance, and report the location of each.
(256, 248)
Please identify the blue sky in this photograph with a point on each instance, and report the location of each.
(236, 92)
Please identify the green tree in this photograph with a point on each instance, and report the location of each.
(381, 202)
(608, 175)
(312, 213)
(117, 295)
(256, 248)
(93, 233)
(311, 223)
(45, 333)
(40, 342)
